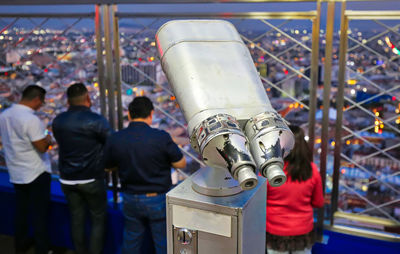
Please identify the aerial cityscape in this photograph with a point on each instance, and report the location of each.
(370, 168)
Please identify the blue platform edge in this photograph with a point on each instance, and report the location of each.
(60, 233)
(59, 219)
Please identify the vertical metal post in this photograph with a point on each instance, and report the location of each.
(326, 105)
(109, 66)
(100, 62)
(117, 67)
(339, 107)
(111, 88)
(314, 77)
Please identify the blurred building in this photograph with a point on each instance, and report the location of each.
(133, 74)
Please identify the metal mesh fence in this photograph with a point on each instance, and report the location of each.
(281, 54)
(370, 166)
(56, 54)
(52, 53)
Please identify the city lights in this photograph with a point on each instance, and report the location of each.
(371, 109)
(390, 44)
(352, 82)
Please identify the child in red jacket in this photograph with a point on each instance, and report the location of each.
(290, 206)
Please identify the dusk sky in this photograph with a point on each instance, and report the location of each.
(379, 5)
(187, 8)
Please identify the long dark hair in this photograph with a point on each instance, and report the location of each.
(299, 159)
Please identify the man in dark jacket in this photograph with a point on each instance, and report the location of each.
(81, 135)
(144, 157)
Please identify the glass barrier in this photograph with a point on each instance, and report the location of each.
(369, 185)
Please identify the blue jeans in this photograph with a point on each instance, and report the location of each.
(141, 212)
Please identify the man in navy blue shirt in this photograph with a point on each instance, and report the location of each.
(144, 157)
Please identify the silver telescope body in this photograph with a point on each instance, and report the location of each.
(231, 122)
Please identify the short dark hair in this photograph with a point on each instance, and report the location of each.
(33, 91)
(140, 107)
(76, 93)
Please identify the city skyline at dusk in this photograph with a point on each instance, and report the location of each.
(355, 108)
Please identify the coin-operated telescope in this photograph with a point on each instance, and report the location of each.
(236, 131)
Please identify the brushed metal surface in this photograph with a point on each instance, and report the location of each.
(215, 182)
(184, 195)
(246, 209)
(210, 70)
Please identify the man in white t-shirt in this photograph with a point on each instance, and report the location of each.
(25, 144)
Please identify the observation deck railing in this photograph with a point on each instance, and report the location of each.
(301, 83)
